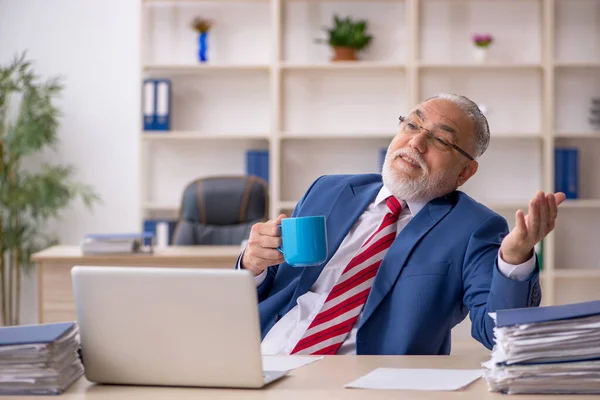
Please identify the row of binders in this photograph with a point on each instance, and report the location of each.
(546, 350)
(39, 359)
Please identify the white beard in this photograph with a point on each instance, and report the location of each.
(422, 188)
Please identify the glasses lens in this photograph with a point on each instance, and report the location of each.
(440, 144)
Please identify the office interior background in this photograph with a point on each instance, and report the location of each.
(268, 84)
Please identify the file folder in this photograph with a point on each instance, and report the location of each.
(148, 104)
(163, 105)
(257, 163)
(34, 334)
(520, 316)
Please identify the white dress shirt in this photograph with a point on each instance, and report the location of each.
(284, 335)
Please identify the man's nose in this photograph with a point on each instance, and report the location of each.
(419, 141)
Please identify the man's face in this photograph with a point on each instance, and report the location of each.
(420, 167)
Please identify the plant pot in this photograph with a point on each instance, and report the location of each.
(480, 54)
(344, 54)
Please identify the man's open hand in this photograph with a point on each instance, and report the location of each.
(517, 246)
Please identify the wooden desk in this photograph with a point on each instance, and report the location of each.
(55, 294)
(324, 379)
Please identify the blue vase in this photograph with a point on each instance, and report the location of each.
(202, 46)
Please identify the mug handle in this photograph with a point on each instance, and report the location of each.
(280, 248)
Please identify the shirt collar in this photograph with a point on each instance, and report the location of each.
(413, 206)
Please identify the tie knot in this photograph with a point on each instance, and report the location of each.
(394, 206)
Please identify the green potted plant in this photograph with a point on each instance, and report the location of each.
(29, 197)
(346, 38)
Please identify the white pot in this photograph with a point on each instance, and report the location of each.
(480, 54)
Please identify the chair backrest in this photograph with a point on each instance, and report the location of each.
(221, 210)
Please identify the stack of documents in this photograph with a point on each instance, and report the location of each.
(546, 350)
(39, 359)
(117, 243)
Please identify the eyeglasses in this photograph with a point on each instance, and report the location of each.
(410, 127)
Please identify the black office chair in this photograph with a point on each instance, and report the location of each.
(221, 210)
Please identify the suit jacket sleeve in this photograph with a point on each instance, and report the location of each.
(486, 289)
(264, 289)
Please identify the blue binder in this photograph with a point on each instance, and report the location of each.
(257, 163)
(531, 315)
(566, 170)
(163, 105)
(149, 104)
(559, 170)
(572, 164)
(33, 334)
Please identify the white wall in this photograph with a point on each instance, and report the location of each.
(94, 45)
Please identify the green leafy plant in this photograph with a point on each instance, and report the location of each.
(348, 33)
(29, 197)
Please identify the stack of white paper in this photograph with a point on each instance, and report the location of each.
(546, 350)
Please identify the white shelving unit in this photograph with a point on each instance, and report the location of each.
(269, 85)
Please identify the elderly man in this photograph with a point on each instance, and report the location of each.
(409, 255)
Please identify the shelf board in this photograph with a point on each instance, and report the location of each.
(161, 207)
(156, 136)
(516, 136)
(287, 205)
(469, 65)
(578, 135)
(343, 65)
(200, 68)
(578, 273)
(200, 1)
(577, 64)
(342, 135)
(350, 1)
(580, 203)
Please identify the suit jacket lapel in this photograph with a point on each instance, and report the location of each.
(396, 257)
(349, 205)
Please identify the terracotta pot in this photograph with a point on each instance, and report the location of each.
(344, 54)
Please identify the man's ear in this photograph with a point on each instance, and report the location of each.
(467, 172)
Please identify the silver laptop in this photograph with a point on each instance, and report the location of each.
(169, 326)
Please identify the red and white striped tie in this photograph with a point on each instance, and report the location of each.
(331, 326)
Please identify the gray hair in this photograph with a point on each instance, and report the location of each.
(471, 109)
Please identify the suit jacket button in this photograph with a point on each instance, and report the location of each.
(277, 317)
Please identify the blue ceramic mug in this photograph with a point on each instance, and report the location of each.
(303, 241)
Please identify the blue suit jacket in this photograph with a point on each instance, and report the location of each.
(441, 266)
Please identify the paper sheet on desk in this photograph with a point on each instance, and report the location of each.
(416, 379)
(286, 363)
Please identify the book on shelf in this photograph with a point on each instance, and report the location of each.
(595, 113)
(257, 163)
(39, 359)
(156, 104)
(118, 243)
(566, 171)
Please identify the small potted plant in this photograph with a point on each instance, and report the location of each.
(482, 42)
(202, 26)
(346, 38)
